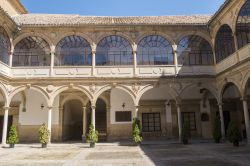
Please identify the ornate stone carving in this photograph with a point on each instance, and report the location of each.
(136, 88)
(50, 88)
(93, 88)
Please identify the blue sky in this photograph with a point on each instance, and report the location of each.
(123, 7)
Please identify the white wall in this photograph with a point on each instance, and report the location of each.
(117, 98)
(34, 115)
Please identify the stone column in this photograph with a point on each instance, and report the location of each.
(236, 45)
(136, 114)
(175, 58)
(52, 63)
(11, 58)
(246, 116)
(168, 118)
(5, 125)
(222, 121)
(84, 129)
(49, 122)
(93, 63)
(93, 116)
(135, 63)
(179, 121)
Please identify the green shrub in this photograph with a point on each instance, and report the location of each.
(92, 136)
(137, 138)
(13, 136)
(136, 121)
(217, 130)
(185, 134)
(44, 134)
(136, 131)
(234, 134)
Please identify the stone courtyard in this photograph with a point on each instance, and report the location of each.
(149, 153)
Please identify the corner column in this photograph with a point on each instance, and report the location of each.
(246, 116)
(5, 125)
(93, 115)
(84, 123)
(179, 121)
(222, 121)
(50, 122)
(11, 58)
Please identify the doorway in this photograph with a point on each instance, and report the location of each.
(72, 126)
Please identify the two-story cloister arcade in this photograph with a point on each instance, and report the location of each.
(72, 71)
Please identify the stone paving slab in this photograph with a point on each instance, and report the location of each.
(164, 154)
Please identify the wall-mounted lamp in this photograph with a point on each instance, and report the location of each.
(42, 106)
(123, 105)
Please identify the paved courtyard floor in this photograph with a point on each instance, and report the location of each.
(122, 154)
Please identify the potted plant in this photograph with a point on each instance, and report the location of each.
(92, 136)
(137, 138)
(233, 134)
(185, 133)
(13, 137)
(44, 135)
(217, 130)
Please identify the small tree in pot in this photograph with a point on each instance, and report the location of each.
(13, 137)
(44, 135)
(233, 134)
(185, 134)
(217, 130)
(137, 137)
(92, 136)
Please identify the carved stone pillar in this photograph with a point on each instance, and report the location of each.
(246, 116)
(222, 121)
(5, 125)
(84, 119)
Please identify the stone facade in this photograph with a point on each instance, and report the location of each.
(170, 90)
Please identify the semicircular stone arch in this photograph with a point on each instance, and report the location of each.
(5, 46)
(154, 50)
(31, 51)
(194, 50)
(114, 50)
(224, 43)
(73, 51)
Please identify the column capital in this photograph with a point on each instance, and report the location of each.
(93, 107)
(136, 106)
(134, 52)
(244, 98)
(50, 107)
(6, 108)
(93, 51)
(220, 104)
(84, 107)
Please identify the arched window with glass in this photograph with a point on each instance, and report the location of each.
(154, 50)
(194, 50)
(243, 25)
(73, 51)
(224, 43)
(114, 50)
(4, 46)
(31, 51)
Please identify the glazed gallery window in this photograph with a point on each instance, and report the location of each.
(4, 46)
(243, 25)
(113, 51)
(194, 50)
(154, 50)
(123, 116)
(189, 117)
(151, 122)
(73, 51)
(224, 43)
(32, 51)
